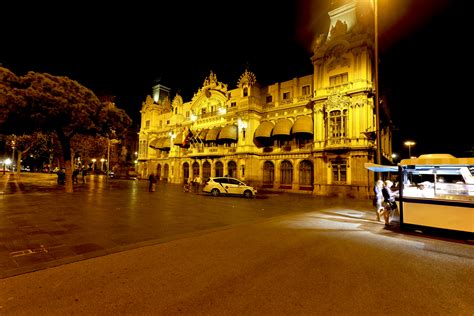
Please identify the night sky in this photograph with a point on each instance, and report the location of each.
(124, 49)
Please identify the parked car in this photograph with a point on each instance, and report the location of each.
(228, 186)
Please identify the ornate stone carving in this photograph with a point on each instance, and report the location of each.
(148, 104)
(177, 101)
(338, 59)
(337, 101)
(247, 79)
(318, 42)
(338, 30)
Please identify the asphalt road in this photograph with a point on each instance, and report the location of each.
(277, 255)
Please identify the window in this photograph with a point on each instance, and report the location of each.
(176, 110)
(206, 170)
(337, 124)
(286, 171)
(305, 90)
(269, 99)
(168, 122)
(246, 91)
(306, 173)
(147, 124)
(185, 171)
(268, 173)
(203, 111)
(161, 124)
(195, 169)
(219, 169)
(286, 96)
(339, 170)
(232, 169)
(187, 114)
(338, 79)
(233, 104)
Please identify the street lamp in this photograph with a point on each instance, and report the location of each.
(377, 110)
(409, 143)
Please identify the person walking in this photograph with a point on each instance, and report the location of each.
(84, 174)
(152, 182)
(378, 200)
(390, 206)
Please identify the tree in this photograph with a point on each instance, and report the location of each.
(56, 104)
(36, 142)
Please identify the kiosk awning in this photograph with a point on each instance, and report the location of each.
(380, 168)
(264, 130)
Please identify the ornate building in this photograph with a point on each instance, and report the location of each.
(309, 134)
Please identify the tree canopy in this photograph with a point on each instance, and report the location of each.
(56, 104)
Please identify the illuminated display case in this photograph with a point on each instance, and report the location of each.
(437, 191)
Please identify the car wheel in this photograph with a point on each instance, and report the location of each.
(215, 192)
(248, 194)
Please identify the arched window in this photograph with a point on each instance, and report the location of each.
(158, 172)
(286, 172)
(232, 169)
(166, 171)
(195, 169)
(185, 171)
(306, 173)
(246, 91)
(219, 169)
(206, 170)
(268, 174)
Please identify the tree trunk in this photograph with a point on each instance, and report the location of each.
(18, 163)
(66, 149)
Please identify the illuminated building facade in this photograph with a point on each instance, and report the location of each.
(310, 134)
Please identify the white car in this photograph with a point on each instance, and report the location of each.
(228, 186)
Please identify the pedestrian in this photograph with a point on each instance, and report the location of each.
(390, 206)
(152, 182)
(84, 174)
(197, 183)
(378, 199)
(75, 173)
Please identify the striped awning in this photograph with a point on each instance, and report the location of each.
(211, 136)
(303, 124)
(153, 143)
(264, 130)
(229, 132)
(178, 141)
(203, 134)
(166, 145)
(282, 128)
(159, 143)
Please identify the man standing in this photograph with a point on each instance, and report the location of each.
(197, 184)
(152, 183)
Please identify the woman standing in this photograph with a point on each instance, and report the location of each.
(378, 198)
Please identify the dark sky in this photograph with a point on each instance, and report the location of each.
(121, 49)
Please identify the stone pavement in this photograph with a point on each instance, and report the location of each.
(41, 226)
(170, 252)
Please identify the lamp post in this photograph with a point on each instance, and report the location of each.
(409, 143)
(377, 110)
